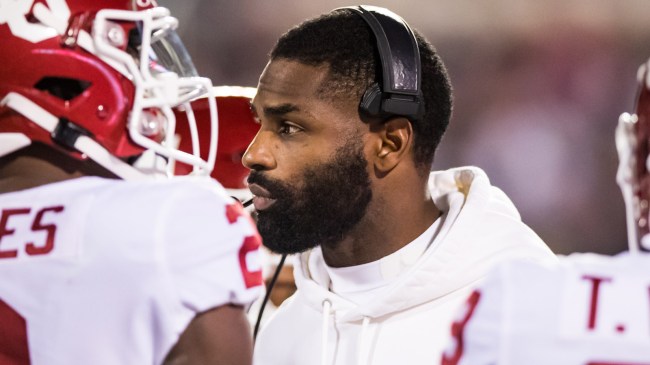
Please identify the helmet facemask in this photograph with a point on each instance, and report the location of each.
(162, 71)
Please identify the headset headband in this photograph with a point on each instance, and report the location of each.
(400, 63)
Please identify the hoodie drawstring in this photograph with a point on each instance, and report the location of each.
(327, 307)
(362, 351)
(362, 348)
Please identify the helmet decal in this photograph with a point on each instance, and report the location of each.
(145, 4)
(14, 14)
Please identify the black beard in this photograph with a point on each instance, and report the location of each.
(333, 199)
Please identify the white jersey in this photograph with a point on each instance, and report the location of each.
(98, 271)
(587, 310)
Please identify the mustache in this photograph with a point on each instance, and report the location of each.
(273, 186)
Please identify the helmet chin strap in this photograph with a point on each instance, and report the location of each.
(82, 143)
(152, 164)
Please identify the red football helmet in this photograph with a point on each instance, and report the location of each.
(99, 80)
(633, 176)
(237, 128)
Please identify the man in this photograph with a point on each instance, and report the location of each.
(387, 248)
(96, 269)
(589, 309)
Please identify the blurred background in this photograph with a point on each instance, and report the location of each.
(538, 88)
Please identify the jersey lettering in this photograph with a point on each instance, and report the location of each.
(31, 248)
(601, 304)
(7, 231)
(593, 307)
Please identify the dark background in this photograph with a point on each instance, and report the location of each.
(538, 87)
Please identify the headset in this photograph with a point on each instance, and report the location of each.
(400, 93)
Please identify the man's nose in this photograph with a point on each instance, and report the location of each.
(258, 155)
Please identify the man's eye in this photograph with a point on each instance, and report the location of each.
(286, 128)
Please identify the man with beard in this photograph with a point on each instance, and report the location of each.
(333, 198)
(388, 249)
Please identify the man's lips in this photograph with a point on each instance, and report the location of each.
(261, 197)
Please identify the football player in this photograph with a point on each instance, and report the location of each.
(587, 310)
(103, 258)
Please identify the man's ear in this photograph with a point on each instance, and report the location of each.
(396, 140)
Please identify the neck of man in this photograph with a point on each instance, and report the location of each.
(38, 165)
(391, 222)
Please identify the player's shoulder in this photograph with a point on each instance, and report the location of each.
(187, 186)
(200, 188)
(625, 263)
(516, 274)
(200, 193)
(517, 269)
(572, 262)
(158, 193)
(153, 197)
(511, 278)
(185, 198)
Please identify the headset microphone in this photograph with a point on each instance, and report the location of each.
(247, 202)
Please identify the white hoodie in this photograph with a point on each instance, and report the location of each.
(408, 322)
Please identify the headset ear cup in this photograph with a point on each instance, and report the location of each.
(371, 100)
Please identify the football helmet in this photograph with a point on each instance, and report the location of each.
(633, 176)
(99, 80)
(237, 128)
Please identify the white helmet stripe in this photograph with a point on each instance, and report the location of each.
(83, 144)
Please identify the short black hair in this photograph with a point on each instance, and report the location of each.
(342, 40)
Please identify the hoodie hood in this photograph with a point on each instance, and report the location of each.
(480, 227)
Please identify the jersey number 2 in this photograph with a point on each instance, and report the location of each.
(13, 337)
(251, 243)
